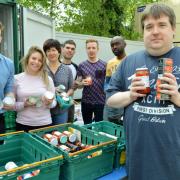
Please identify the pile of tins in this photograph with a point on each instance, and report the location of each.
(85, 152)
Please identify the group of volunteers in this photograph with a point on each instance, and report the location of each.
(110, 90)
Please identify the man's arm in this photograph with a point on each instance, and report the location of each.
(123, 99)
(70, 92)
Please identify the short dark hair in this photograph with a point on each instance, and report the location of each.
(156, 11)
(69, 42)
(1, 26)
(116, 39)
(49, 43)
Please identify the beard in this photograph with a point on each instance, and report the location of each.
(118, 52)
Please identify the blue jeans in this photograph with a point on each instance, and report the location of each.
(60, 118)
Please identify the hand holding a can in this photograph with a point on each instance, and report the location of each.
(30, 102)
(48, 98)
(137, 85)
(169, 87)
(8, 103)
(87, 81)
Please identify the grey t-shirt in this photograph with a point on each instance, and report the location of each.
(152, 127)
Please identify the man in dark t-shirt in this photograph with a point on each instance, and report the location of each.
(92, 72)
(152, 126)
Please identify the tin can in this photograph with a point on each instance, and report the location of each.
(89, 80)
(143, 73)
(62, 138)
(71, 137)
(165, 66)
(65, 148)
(51, 139)
(73, 147)
(9, 101)
(10, 165)
(49, 95)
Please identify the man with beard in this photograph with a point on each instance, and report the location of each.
(118, 45)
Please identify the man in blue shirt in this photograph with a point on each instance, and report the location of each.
(6, 83)
(152, 126)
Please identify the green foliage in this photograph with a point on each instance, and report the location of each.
(95, 17)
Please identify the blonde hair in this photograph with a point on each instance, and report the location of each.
(43, 71)
(92, 40)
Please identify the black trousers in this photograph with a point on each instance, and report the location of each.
(89, 109)
(71, 114)
(2, 124)
(21, 127)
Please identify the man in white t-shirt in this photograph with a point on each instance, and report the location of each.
(68, 51)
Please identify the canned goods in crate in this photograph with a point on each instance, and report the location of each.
(51, 139)
(62, 138)
(71, 136)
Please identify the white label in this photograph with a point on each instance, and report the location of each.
(145, 80)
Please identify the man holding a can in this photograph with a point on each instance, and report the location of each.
(68, 51)
(92, 72)
(152, 125)
(6, 85)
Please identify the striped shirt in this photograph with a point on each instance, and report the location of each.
(93, 94)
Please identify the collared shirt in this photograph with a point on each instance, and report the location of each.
(6, 77)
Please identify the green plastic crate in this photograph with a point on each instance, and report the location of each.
(10, 121)
(29, 155)
(114, 130)
(78, 165)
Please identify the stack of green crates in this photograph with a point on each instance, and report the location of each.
(114, 130)
(29, 155)
(10, 121)
(78, 165)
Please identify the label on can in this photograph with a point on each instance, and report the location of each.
(143, 73)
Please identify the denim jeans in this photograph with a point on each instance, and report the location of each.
(60, 118)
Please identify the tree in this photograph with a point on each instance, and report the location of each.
(100, 17)
(95, 17)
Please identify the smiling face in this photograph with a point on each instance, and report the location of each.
(158, 35)
(35, 63)
(52, 54)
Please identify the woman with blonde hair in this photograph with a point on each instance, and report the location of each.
(34, 91)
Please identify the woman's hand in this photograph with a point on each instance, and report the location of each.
(29, 104)
(47, 101)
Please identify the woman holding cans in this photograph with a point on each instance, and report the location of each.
(34, 91)
(61, 75)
